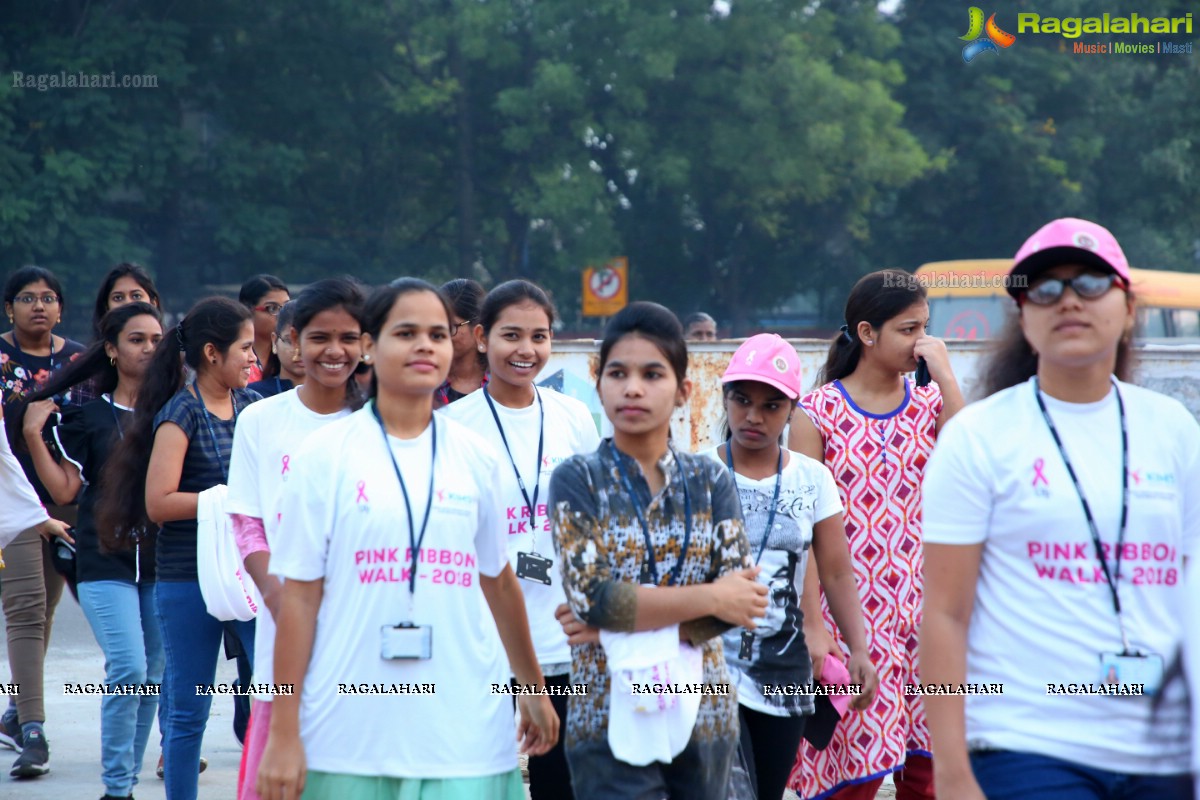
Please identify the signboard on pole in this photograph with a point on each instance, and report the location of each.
(606, 290)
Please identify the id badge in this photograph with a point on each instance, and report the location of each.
(406, 642)
(1133, 668)
(532, 567)
(747, 646)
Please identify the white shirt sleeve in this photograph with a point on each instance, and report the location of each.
(956, 501)
(829, 502)
(244, 497)
(22, 509)
(306, 524)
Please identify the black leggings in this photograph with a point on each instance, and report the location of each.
(769, 746)
(549, 777)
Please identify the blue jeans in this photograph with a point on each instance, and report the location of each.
(1008, 775)
(192, 641)
(126, 628)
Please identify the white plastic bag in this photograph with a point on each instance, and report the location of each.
(228, 590)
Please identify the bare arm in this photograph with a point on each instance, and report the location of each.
(951, 573)
(62, 480)
(933, 350)
(539, 723)
(283, 769)
(164, 501)
(832, 554)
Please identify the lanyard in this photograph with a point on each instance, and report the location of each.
(414, 540)
(641, 516)
(774, 500)
(537, 472)
(224, 462)
(1115, 575)
(21, 353)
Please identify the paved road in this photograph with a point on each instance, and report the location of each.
(73, 727)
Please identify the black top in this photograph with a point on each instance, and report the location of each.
(21, 374)
(204, 466)
(269, 387)
(86, 436)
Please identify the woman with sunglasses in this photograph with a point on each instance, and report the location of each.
(468, 370)
(264, 295)
(1058, 514)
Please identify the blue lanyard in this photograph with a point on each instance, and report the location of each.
(221, 459)
(774, 500)
(641, 516)
(414, 541)
(537, 472)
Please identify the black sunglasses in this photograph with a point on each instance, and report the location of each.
(1088, 286)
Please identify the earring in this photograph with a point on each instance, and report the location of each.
(481, 349)
(112, 361)
(366, 359)
(212, 361)
(871, 342)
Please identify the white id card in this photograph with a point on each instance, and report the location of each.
(1138, 668)
(406, 642)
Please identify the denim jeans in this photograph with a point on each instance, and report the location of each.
(126, 628)
(192, 642)
(1009, 775)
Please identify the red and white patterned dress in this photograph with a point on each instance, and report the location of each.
(878, 461)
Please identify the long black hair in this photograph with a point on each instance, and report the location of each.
(254, 289)
(652, 322)
(121, 509)
(876, 298)
(379, 306)
(135, 271)
(1011, 361)
(324, 295)
(93, 363)
(465, 297)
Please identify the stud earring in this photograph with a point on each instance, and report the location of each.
(366, 359)
(481, 349)
(871, 342)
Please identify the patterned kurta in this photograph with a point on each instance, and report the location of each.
(878, 461)
(603, 557)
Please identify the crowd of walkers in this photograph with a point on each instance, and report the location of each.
(996, 605)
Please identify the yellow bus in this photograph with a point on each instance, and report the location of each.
(967, 300)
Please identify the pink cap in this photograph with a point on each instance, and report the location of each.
(768, 359)
(1066, 241)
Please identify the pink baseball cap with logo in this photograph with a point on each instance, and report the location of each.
(1068, 241)
(766, 358)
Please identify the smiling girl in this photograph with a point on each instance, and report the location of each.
(390, 543)
(176, 446)
(325, 324)
(535, 430)
(656, 567)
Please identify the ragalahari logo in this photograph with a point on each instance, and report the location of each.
(983, 38)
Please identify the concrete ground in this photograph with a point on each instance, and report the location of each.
(73, 727)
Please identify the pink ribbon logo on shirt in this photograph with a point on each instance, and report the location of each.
(362, 493)
(286, 460)
(1038, 475)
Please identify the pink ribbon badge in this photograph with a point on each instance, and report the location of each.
(362, 493)
(286, 459)
(1038, 475)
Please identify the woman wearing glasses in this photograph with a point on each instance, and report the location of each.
(264, 295)
(1058, 514)
(468, 370)
(29, 353)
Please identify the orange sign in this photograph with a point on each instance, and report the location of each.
(606, 290)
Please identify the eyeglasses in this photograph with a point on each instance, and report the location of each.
(30, 299)
(1088, 286)
(269, 308)
(455, 327)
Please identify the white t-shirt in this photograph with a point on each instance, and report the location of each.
(344, 522)
(266, 435)
(1043, 611)
(779, 655)
(569, 431)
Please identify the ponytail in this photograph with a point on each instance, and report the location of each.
(121, 508)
